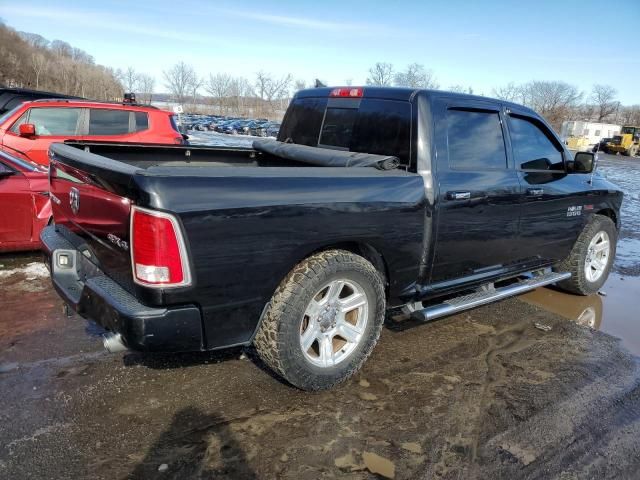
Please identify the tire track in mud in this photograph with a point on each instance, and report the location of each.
(581, 430)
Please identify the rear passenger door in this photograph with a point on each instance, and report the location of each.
(552, 200)
(478, 192)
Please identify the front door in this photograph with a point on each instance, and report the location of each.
(477, 204)
(553, 201)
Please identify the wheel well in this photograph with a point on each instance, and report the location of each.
(366, 251)
(608, 212)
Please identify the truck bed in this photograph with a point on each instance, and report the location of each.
(266, 153)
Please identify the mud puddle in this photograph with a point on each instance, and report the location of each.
(613, 311)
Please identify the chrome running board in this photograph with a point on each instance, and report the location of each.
(486, 294)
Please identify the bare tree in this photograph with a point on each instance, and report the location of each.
(180, 80)
(604, 97)
(509, 92)
(146, 84)
(270, 89)
(554, 100)
(130, 79)
(299, 85)
(457, 89)
(380, 74)
(219, 87)
(30, 60)
(415, 76)
(38, 63)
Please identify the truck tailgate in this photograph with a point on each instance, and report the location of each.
(91, 206)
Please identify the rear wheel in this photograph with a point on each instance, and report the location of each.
(591, 258)
(323, 320)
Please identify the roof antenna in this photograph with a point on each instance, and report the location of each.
(319, 84)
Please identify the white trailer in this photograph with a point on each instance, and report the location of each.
(593, 132)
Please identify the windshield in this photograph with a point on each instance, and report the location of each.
(630, 130)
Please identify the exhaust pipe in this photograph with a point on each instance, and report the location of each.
(113, 342)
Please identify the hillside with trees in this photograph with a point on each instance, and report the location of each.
(29, 60)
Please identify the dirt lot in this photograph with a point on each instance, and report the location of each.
(484, 394)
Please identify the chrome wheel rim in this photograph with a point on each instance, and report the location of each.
(597, 256)
(334, 322)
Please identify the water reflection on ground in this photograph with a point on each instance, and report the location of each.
(614, 311)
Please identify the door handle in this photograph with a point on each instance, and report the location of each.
(535, 192)
(458, 195)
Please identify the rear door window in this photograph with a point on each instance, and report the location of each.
(54, 121)
(475, 140)
(103, 121)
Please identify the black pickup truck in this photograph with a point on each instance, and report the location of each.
(370, 199)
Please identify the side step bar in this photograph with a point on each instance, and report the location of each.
(487, 295)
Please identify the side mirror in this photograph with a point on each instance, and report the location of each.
(584, 162)
(27, 130)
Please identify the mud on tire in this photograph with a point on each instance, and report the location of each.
(575, 262)
(278, 338)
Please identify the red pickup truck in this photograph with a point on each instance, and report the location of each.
(31, 127)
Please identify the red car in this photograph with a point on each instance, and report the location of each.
(31, 127)
(25, 207)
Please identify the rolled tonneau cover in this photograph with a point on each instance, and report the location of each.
(325, 157)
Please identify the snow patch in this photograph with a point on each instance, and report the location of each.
(30, 270)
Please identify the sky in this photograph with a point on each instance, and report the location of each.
(482, 44)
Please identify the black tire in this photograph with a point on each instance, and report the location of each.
(575, 262)
(278, 338)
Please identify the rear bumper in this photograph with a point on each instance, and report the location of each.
(95, 296)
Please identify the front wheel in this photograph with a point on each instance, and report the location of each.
(591, 258)
(323, 320)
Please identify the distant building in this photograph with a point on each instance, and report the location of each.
(593, 132)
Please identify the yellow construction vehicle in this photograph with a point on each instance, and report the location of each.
(626, 143)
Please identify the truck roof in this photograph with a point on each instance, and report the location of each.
(400, 93)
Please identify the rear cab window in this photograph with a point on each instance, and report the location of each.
(367, 125)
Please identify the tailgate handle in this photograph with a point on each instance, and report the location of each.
(458, 195)
(535, 192)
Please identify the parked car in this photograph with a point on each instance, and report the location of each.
(302, 261)
(25, 207)
(272, 130)
(258, 128)
(233, 127)
(32, 126)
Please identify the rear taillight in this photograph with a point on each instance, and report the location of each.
(158, 253)
(349, 92)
